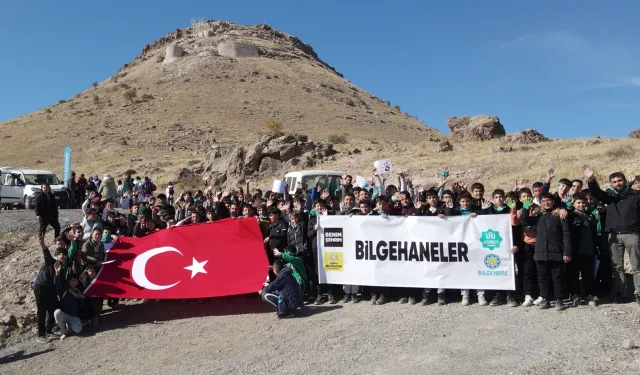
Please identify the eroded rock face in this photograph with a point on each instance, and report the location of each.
(527, 136)
(634, 134)
(269, 156)
(476, 128)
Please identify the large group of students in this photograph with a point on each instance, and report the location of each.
(568, 245)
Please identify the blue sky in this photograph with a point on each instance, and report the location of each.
(565, 68)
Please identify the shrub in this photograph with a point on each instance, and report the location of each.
(96, 99)
(130, 172)
(337, 139)
(147, 97)
(61, 101)
(635, 134)
(273, 126)
(397, 107)
(48, 110)
(95, 85)
(350, 103)
(130, 95)
(125, 86)
(620, 152)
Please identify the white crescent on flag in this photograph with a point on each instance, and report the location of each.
(138, 270)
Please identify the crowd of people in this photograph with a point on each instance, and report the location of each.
(558, 237)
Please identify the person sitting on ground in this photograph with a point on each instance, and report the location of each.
(283, 294)
(68, 313)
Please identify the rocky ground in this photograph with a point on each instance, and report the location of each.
(238, 336)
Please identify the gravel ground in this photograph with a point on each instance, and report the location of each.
(24, 221)
(238, 336)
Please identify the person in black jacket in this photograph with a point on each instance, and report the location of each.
(283, 293)
(68, 313)
(553, 249)
(47, 211)
(277, 238)
(297, 234)
(43, 287)
(622, 226)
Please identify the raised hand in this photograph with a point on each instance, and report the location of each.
(551, 174)
(420, 188)
(510, 203)
(418, 204)
(588, 172)
(449, 204)
(486, 203)
(527, 203)
(57, 267)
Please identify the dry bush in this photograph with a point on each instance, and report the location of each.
(130, 172)
(620, 152)
(147, 97)
(634, 134)
(48, 110)
(129, 95)
(273, 126)
(61, 101)
(397, 107)
(95, 85)
(96, 99)
(337, 139)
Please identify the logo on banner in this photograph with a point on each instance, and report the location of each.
(333, 237)
(490, 239)
(492, 261)
(333, 261)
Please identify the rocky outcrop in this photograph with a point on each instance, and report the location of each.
(634, 134)
(527, 136)
(445, 146)
(270, 156)
(476, 128)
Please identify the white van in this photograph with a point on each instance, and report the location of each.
(20, 186)
(308, 179)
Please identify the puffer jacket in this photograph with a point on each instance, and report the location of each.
(553, 237)
(109, 189)
(297, 239)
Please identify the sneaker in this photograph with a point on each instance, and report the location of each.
(425, 299)
(538, 301)
(346, 298)
(574, 300)
(442, 299)
(465, 301)
(43, 340)
(481, 300)
(287, 316)
(404, 300)
(544, 304)
(559, 306)
(374, 298)
(355, 298)
(511, 302)
(495, 301)
(594, 301)
(62, 337)
(413, 300)
(382, 300)
(319, 300)
(332, 299)
(528, 301)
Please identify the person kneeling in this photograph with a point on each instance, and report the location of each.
(283, 293)
(68, 315)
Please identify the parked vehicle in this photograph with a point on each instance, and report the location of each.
(308, 179)
(20, 186)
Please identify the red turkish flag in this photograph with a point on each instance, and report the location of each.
(198, 261)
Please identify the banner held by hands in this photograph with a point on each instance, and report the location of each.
(383, 166)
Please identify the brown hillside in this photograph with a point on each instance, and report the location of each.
(169, 113)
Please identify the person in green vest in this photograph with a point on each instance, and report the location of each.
(295, 263)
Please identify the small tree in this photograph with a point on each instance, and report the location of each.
(130, 95)
(397, 107)
(95, 85)
(273, 126)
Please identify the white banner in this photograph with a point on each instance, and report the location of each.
(422, 252)
(383, 166)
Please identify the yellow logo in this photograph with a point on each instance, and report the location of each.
(333, 261)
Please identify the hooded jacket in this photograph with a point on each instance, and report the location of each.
(108, 189)
(288, 290)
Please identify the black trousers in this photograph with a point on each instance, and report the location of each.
(580, 265)
(312, 276)
(45, 222)
(551, 274)
(604, 275)
(46, 302)
(527, 271)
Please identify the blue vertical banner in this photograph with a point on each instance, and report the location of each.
(66, 165)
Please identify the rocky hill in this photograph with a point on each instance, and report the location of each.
(215, 82)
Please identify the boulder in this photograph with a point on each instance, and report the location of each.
(8, 320)
(476, 128)
(270, 165)
(172, 53)
(527, 136)
(445, 146)
(501, 149)
(185, 173)
(634, 134)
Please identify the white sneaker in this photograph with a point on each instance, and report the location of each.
(528, 301)
(481, 300)
(62, 337)
(538, 301)
(465, 300)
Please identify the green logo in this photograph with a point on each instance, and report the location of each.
(490, 239)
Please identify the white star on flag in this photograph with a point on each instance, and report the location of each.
(196, 267)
